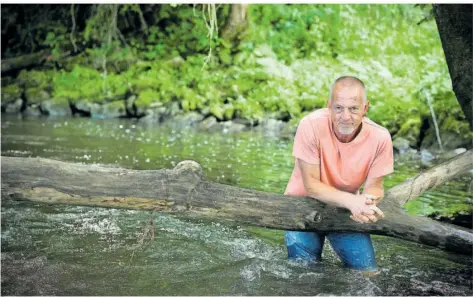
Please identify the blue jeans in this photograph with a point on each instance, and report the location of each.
(354, 249)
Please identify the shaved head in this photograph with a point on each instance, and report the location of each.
(348, 81)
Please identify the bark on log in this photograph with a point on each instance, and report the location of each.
(24, 61)
(184, 191)
(415, 186)
(454, 22)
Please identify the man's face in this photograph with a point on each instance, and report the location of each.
(347, 108)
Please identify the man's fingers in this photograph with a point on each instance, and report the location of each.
(356, 219)
(363, 218)
(377, 210)
(368, 218)
(371, 199)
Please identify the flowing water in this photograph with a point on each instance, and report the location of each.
(75, 250)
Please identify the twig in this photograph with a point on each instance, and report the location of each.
(437, 132)
(73, 28)
(144, 25)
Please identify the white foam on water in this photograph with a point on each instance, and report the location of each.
(240, 244)
(310, 275)
(280, 271)
(18, 153)
(101, 226)
(250, 272)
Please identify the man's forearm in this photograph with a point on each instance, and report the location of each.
(374, 187)
(374, 191)
(329, 194)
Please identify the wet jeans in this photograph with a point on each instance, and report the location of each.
(354, 249)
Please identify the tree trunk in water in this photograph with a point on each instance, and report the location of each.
(184, 191)
(237, 22)
(454, 22)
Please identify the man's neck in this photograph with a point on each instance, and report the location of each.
(345, 138)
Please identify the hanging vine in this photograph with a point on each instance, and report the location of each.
(73, 17)
(209, 14)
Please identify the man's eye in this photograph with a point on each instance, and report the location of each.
(338, 108)
(354, 109)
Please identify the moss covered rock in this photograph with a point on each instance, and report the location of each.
(113, 109)
(10, 93)
(35, 78)
(56, 107)
(410, 131)
(145, 98)
(32, 110)
(186, 120)
(271, 127)
(453, 134)
(83, 106)
(13, 107)
(36, 95)
(401, 145)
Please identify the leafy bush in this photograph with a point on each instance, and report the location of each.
(282, 67)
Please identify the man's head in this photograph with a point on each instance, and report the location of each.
(347, 104)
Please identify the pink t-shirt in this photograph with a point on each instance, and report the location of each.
(344, 166)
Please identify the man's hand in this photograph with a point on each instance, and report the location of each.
(363, 212)
(372, 200)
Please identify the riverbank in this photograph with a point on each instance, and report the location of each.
(280, 70)
(170, 114)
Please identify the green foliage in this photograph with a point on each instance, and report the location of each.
(181, 30)
(147, 97)
(66, 84)
(35, 78)
(36, 95)
(88, 84)
(56, 41)
(283, 66)
(11, 91)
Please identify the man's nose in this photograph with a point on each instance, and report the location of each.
(346, 114)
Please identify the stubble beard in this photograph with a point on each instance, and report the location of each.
(347, 130)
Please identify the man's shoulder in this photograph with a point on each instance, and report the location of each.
(316, 121)
(377, 130)
(316, 116)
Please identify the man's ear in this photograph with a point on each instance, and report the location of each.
(366, 107)
(328, 103)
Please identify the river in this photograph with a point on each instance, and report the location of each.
(75, 250)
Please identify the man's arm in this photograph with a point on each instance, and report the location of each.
(356, 204)
(374, 189)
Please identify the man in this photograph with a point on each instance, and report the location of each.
(338, 149)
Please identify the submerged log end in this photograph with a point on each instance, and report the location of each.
(189, 168)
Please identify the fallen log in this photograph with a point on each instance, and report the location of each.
(28, 60)
(184, 191)
(24, 61)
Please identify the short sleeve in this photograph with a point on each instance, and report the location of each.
(306, 144)
(383, 163)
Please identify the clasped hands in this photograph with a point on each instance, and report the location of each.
(364, 210)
